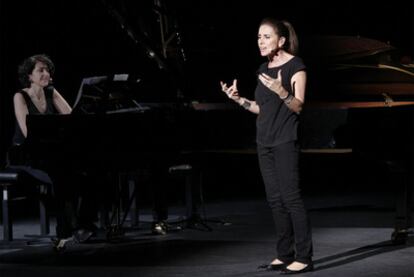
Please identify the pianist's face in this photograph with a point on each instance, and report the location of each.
(40, 75)
(268, 40)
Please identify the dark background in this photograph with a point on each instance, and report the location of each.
(217, 37)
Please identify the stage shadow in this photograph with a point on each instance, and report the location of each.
(360, 253)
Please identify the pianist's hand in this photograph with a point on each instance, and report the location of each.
(231, 91)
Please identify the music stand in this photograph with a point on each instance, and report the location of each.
(108, 94)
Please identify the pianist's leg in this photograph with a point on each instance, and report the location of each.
(64, 197)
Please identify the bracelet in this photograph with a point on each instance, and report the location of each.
(288, 99)
(246, 104)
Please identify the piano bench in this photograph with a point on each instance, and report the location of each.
(8, 179)
(187, 171)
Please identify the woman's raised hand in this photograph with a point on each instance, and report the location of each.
(231, 91)
(274, 84)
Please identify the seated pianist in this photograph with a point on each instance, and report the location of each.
(38, 96)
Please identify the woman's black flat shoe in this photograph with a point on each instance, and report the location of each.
(272, 267)
(308, 268)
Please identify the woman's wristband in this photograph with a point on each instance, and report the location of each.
(286, 97)
(246, 104)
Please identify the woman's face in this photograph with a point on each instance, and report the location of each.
(268, 41)
(40, 75)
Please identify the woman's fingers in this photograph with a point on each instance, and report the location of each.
(231, 91)
(265, 76)
(266, 81)
(262, 79)
(279, 74)
(235, 83)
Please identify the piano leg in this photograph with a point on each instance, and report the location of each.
(133, 208)
(120, 210)
(400, 178)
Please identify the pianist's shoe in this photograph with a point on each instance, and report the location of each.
(60, 244)
(159, 228)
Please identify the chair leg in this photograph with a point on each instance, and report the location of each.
(44, 216)
(7, 223)
(189, 195)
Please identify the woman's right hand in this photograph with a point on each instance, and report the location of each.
(231, 91)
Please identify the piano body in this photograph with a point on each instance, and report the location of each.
(123, 144)
(360, 99)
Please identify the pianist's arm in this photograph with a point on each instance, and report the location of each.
(20, 111)
(60, 103)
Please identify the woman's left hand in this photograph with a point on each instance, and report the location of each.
(273, 84)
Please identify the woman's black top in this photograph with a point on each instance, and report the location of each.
(276, 123)
(18, 137)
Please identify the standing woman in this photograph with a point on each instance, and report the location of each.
(279, 97)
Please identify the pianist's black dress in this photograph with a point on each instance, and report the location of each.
(47, 171)
(18, 137)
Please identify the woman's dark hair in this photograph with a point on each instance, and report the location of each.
(27, 66)
(284, 29)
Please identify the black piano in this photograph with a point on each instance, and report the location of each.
(360, 100)
(121, 143)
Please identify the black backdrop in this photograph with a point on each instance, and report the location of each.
(218, 38)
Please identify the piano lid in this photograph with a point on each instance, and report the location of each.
(345, 48)
(357, 69)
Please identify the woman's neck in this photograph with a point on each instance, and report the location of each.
(279, 58)
(35, 91)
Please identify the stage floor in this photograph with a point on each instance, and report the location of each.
(351, 235)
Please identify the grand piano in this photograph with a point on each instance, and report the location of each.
(360, 100)
(351, 75)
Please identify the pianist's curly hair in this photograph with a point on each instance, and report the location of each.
(27, 66)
